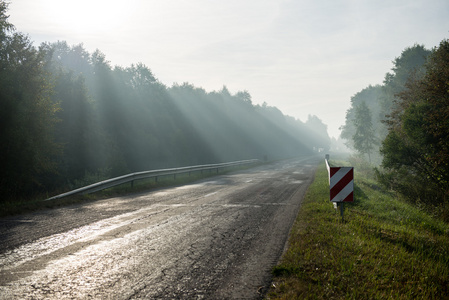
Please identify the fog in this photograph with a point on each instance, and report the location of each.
(303, 57)
(147, 125)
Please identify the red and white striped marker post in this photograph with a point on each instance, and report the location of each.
(341, 182)
(341, 185)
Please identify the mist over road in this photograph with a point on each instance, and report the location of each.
(214, 239)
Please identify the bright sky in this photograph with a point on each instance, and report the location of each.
(302, 56)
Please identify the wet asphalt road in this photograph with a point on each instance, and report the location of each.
(214, 239)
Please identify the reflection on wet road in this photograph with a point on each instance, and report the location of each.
(214, 239)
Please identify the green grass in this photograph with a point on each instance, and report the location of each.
(20, 206)
(384, 248)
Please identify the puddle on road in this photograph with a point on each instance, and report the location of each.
(239, 205)
(190, 186)
(296, 182)
(111, 204)
(47, 245)
(86, 271)
(160, 194)
(81, 273)
(210, 194)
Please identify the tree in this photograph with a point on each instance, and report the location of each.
(409, 66)
(417, 143)
(321, 139)
(112, 120)
(74, 131)
(245, 97)
(5, 26)
(140, 76)
(382, 100)
(370, 97)
(412, 60)
(27, 114)
(364, 137)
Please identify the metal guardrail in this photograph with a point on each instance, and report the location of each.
(148, 174)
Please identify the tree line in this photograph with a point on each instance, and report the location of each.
(403, 125)
(69, 117)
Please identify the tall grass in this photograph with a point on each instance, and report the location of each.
(384, 248)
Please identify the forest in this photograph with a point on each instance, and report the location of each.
(402, 126)
(69, 117)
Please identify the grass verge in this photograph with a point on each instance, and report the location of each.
(384, 248)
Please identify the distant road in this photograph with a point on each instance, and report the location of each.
(214, 239)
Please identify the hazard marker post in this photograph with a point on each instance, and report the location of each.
(341, 185)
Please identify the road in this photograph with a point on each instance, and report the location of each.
(217, 238)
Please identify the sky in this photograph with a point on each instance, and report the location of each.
(304, 57)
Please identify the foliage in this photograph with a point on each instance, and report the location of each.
(370, 96)
(319, 129)
(410, 119)
(67, 113)
(364, 137)
(411, 61)
(380, 99)
(416, 149)
(27, 114)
